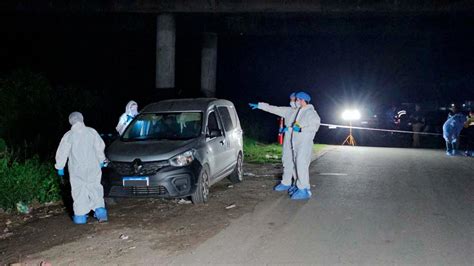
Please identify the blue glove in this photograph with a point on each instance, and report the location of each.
(102, 165)
(129, 118)
(253, 106)
(296, 128)
(283, 130)
(61, 172)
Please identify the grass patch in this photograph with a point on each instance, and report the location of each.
(257, 152)
(26, 181)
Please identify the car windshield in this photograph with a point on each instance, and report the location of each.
(171, 126)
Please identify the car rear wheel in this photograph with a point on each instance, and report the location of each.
(201, 194)
(237, 175)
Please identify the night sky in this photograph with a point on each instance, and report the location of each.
(365, 61)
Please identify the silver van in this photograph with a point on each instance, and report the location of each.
(176, 148)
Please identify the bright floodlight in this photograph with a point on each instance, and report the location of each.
(351, 115)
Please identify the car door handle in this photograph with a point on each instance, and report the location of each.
(222, 142)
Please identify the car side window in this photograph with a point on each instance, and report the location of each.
(235, 117)
(212, 121)
(226, 118)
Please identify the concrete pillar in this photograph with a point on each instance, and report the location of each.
(209, 64)
(165, 51)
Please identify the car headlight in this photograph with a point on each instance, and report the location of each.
(183, 159)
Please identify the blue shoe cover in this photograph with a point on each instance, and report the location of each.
(101, 214)
(292, 190)
(301, 194)
(449, 153)
(281, 187)
(80, 219)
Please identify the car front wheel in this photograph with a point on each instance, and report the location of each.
(201, 194)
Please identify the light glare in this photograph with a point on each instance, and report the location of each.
(351, 115)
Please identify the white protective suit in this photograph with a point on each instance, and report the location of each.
(83, 149)
(287, 113)
(309, 121)
(126, 117)
(302, 143)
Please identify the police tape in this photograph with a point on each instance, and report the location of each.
(333, 126)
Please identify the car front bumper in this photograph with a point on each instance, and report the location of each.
(168, 182)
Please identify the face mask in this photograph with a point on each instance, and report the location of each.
(298, 104)
(133, 110)
(293, 104)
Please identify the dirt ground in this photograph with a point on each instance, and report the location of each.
(138, 226)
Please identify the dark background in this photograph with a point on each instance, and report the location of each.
(370, 62)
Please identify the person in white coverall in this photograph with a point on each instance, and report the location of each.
(289, 115)
(83, 150)
(131, 110)
(302, 130)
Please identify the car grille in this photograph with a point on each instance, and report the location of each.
(128, 169)
(119, 191)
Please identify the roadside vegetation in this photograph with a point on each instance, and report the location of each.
(258, 152)
(34, 117)
(26, 181)
(34, 114)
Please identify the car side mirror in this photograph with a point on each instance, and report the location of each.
(214, 133)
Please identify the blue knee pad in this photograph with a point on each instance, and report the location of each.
(80, 219)
(101, 214)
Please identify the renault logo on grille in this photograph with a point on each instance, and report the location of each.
(137, 165)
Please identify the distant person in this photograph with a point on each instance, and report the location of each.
(131, 110)
(469, 132)
(417, 120)
(452, 130)
(289, 115)
(83, 150)
(302, 129)
(430, 122)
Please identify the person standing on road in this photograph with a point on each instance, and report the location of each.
(452, 129)
(131, 110)
(289, 115)
(83, 150)
(417, 121)
(303, 128)
(469, 128)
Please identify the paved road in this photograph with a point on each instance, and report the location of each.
(370, 206)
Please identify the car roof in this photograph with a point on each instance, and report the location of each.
(179, 105)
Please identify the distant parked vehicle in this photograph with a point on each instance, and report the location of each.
(176, 148)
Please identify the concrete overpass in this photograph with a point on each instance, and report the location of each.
(236, 16)
(241, 6)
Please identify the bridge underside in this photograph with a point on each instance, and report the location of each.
(214, 18)
(335, 7)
